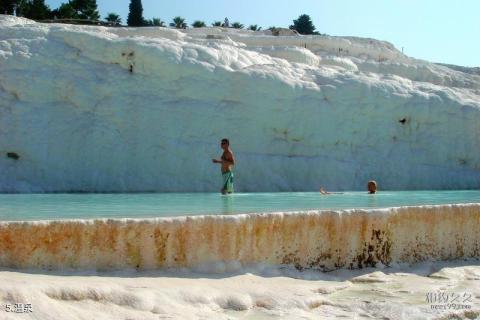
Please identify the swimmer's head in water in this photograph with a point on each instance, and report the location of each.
(372, 186)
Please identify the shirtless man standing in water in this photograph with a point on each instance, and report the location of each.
(227, 161)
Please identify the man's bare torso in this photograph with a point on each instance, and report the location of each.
(227, 156)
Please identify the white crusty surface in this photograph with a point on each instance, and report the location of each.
(299, 110)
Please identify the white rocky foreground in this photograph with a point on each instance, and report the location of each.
(399, 293)
(143, 109)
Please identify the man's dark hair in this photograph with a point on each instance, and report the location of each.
(226, 141)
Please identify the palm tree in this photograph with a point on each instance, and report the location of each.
(158, 22)
(199, 24)
(178, 23)
(217, 24)
(237, 25)
(114, 18)
(254, 27)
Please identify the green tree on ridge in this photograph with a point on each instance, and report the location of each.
(85, 9)
(254, 27)
(178, 23)
(237, 25)
(33, 9)
(198, 24)
(114, 18)
(303, 25)
(135, 15)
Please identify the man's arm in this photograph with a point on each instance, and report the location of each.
(229, 159)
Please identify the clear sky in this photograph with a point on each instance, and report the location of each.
(435, 30)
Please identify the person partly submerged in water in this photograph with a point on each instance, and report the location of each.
(372, 187)
(227, 162)
(322, 191)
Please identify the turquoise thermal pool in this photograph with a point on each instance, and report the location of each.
(23, 207)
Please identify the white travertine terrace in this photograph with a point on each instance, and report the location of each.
(300, 111)
(100, 109)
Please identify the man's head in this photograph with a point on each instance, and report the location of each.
(225, 143)
(372, 186)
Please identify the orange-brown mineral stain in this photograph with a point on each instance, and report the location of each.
(180, 237)
(242, 241)
(104, 236)
(160, 239)
(323, 240)
(260, 244)
(206, 236)
(8, 256)
(225, 234)
(132, 235)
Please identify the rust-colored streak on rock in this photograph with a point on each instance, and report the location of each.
(243, 242)
(262, 239)
(322, 240)
(180, 237)
(133, 247)
(9, 257)
(102, 243)
(104, 235)
(160, 240)
(206, 235)
(226, 242)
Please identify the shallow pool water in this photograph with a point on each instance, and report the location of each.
(88, 206)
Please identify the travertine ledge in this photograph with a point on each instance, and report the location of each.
(312, 239)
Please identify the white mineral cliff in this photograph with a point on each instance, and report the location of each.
(143, 109)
